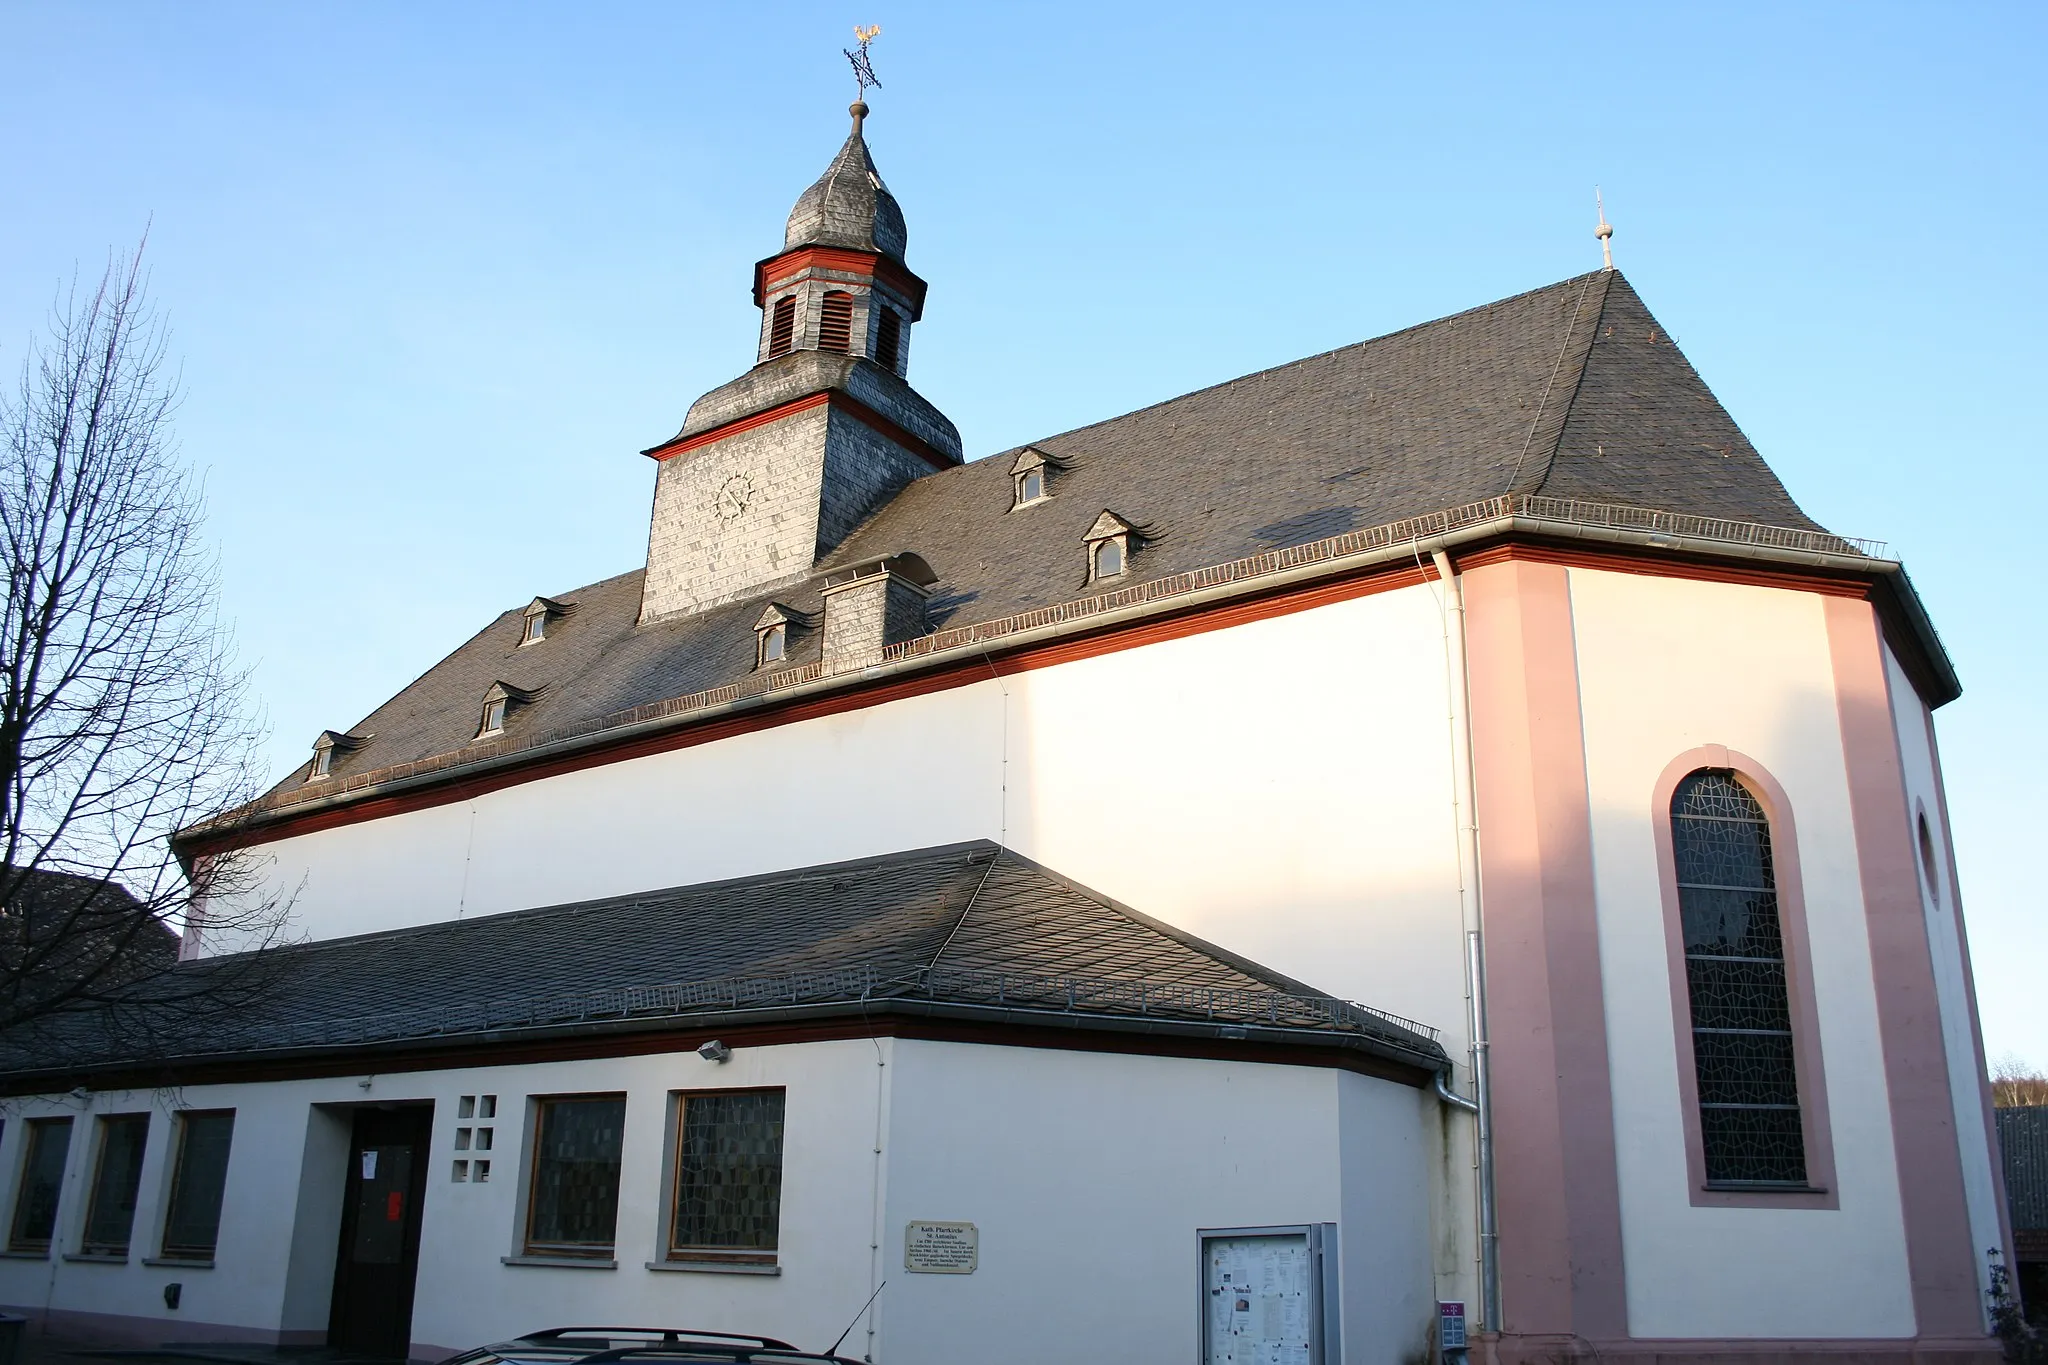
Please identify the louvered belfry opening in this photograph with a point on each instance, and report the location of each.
(782, 328)
(835, 323)
(888, 338)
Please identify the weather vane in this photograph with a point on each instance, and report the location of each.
(1605, 232)
(864, 74)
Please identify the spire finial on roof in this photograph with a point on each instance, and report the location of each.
(1605, 232)
(863, 74)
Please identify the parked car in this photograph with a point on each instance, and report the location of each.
(640, 1346)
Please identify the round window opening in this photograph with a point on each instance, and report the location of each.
(1927, 859)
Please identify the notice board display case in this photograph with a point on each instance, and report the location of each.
(1269, 1295)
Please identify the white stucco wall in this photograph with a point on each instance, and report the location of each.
(1281, 788)
(1665, 666)
(1978, 1147)
(1087, 1174)
(1112, 1164)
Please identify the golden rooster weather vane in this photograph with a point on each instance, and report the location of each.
(864, 74)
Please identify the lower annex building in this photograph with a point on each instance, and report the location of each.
(945, 887)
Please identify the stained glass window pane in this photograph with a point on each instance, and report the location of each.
(110, 1218)
(575, 1204)
(192, 1227)
(1735, 980)
(728, 1176)
(42, 1177)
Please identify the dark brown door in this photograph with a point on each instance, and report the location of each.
(380, 1231)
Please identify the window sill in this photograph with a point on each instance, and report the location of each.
(1759, 1187)
(563, 1262)
(97, 1257)
(720, 1267)
(12, 1255)
(180, 1262)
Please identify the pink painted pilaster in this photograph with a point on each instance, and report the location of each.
(1940, 1259)
(1560, 1202)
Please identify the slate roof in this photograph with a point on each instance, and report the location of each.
(1574, 391)
(967, 927)
(848, 206)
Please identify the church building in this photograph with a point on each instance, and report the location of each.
(1424, 849)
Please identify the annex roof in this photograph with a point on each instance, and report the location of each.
(970, 928)
(1570, 392)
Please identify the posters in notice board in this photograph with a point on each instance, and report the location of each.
(1259, 1293)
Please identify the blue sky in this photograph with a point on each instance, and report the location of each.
(437, 273)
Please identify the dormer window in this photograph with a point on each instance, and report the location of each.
(330, 745)
(1109, 547)
(539, 612)
(1029, 475)
(772, 631)
(500, 701)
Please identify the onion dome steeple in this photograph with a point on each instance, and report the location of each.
(849, 206)
(772, 471)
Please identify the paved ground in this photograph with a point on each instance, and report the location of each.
(39, 1348)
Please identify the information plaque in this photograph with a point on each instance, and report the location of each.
(941, 1248)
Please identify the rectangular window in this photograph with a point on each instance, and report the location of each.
(42, 1176)
(573, 1202)
(199, 1177)
(116, 1179)
(728, 1176)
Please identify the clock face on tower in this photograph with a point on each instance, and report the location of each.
(733, 497)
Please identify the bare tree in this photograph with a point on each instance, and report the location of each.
(2014, 1083)
(122, 711)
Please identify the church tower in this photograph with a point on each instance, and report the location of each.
(773, 470)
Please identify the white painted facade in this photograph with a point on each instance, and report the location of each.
(1656, 682)
(1282, 788)
(1086, 1175)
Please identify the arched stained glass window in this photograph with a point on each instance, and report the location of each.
(1742, 1043)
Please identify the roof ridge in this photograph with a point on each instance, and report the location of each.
(1290, 364)
(1605, 278)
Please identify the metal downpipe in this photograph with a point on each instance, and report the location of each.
(1464, 784)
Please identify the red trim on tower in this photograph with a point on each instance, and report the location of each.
(778, 270)
(842, 402)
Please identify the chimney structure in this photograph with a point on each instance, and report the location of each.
(872, 605)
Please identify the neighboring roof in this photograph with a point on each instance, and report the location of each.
(2023, 1146)
(969, 928)
(1573, 391)
(848, 206)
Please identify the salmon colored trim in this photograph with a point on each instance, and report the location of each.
(1941, 1258)
(792, 263)
(683, 445)
(1556, 1173)
(874, 421)
(965, 672)
(840, 402)
(1816, 1128)
(1193, 621)
(1954, 883)
(1898, 631)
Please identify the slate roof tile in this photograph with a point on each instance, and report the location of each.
(1572, 390)
(964, 923)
